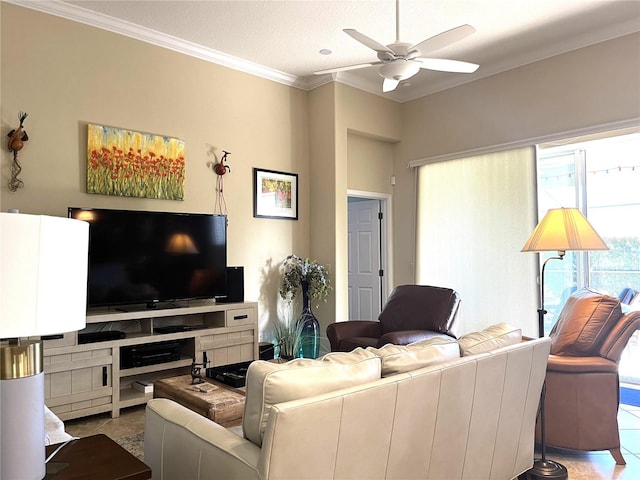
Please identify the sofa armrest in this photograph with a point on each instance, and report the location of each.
(565, 364)
(336, 332)
(405, 337)
(179, 444)
(619, 336)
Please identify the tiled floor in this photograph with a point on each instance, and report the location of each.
(581, 465)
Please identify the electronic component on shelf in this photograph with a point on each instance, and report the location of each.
(233, 375)
(177, 328)
(143, 386)
(92, 337)
(132, 356)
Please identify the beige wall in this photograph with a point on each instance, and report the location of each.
(370, 164)
(367, 114)
(65, 75)
(584, 89)
(336, 113)
(591, 86)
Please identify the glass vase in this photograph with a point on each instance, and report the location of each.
(310, 328)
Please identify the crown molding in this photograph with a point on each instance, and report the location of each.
(137, 32)
(401, 95)
(122, 27)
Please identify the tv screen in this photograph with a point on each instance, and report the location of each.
(138, 257)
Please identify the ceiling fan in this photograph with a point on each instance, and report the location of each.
(399, 61)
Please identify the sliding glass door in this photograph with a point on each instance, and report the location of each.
(601, 177)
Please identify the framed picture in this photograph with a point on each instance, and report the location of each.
(275, 194)
(134, 164)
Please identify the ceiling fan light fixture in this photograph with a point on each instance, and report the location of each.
(399, 70)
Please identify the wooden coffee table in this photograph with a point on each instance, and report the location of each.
(216, 401)
(96, 457)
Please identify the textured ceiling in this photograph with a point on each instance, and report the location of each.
(281, 39)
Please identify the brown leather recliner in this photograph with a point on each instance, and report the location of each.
(582, 385)
(412, 313)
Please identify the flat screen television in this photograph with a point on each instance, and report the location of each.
(138, 257)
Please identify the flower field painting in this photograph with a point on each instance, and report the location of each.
(275, 194)
(134, 164)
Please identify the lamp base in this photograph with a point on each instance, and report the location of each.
(22, 432)
(547, 469)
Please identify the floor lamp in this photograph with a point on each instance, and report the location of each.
(43, 285)
(560, 230)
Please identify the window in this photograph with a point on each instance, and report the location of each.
(601, 177)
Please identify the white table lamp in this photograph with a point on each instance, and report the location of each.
(43, 290)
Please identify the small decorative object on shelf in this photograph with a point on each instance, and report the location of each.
(196, 369)
(312, 279)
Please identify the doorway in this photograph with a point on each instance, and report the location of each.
(368, 259)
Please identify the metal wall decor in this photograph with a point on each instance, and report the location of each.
(17, 137)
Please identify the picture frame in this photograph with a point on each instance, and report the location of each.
(134, 164)
(275, 194)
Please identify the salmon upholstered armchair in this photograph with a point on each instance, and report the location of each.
(582, 385)
(412, 313)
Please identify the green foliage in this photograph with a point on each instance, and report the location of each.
(616, 268)
(287, 334)
(295, 270)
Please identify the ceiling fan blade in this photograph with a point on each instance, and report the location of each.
(444, 65)
(443, 39)
(389, 85)
(346, 67)
(366, 41)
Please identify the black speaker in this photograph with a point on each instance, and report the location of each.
(235, 285)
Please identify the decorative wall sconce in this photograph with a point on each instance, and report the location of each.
(17, 137)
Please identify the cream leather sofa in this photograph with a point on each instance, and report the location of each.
(472, 417)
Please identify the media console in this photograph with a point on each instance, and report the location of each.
(93, 371)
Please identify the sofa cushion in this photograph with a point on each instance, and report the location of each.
(583, 323)
(405, 358)
(495, 336)
(270, 383)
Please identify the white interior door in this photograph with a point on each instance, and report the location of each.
(365, 262)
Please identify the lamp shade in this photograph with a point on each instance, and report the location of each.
(564, 229)
(43, 275)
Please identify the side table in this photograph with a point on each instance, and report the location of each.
(96, 457)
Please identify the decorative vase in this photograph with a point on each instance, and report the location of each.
(310, 328)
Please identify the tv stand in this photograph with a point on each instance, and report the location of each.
(88, 378)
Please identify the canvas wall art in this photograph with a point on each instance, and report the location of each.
(134, 164)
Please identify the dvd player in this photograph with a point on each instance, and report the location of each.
(149, 354)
